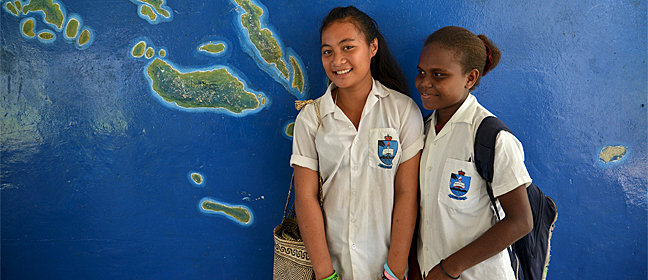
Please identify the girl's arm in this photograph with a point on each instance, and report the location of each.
(517, 223)
(404, 215)
(311, 221)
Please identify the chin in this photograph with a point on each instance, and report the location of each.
(429, 105)
(342, 83)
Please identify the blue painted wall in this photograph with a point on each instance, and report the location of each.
(94, 167)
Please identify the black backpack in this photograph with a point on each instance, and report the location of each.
(530, 254)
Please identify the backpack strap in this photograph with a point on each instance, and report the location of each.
(485, 152)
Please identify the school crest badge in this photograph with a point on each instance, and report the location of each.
(387, 150)
(459, 185)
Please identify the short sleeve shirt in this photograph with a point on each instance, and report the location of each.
(358, 168)
(455, 208)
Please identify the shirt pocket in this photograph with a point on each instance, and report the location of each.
(384, 148)
(461, 186)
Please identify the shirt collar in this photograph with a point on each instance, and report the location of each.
(327, 104)
(378, 89)
(465, 114)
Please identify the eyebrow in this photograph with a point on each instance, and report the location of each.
(431, 69)
(343, 41)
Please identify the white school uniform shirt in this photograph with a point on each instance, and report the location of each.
(455, 208)
(358, 189)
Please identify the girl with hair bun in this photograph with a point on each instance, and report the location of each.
(367, 148)
(458, 233)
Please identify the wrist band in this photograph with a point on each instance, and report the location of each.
(446, 273)
(333, 276)
(388, 274)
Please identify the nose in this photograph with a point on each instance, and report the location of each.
(424, 82)
(338, 59)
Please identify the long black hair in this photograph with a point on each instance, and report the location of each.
(384, 67)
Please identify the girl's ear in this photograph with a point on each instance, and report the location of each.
(373, 46)
(471, 78)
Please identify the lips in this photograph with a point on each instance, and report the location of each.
(426, 94)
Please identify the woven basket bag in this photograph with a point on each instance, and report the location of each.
(291, 260)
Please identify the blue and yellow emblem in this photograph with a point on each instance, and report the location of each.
(459, 185)
(387, 150)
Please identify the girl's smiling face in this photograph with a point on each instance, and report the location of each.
(346, 55)
(441, 81)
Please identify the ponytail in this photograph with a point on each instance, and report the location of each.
(493, 54)
(385, 69)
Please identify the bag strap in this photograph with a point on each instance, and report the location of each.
(292, 209)
(289, 191)
(484, 150)
(299, 104)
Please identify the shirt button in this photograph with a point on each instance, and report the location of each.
(429, 168)
(353, 192)
(355, 168)
(355, 141)
(353, 220)
(353, 246)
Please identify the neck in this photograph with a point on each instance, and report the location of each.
(445, 114)
(352, 98)
(352, 101)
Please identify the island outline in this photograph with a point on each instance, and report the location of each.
(263, 101)
(272, 68)
(240, 214)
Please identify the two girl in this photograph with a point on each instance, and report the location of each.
(459, 234)
(364, 139)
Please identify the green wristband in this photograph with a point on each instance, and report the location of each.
(333, 276)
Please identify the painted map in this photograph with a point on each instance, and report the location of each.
(165, 107)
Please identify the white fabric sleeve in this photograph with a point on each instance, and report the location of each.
(304, 151)
(509, 169)
(411, 132)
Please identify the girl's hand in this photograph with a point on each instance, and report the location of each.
(333, 276)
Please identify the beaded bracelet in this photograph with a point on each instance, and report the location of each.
(333, 276)
(446, 273)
